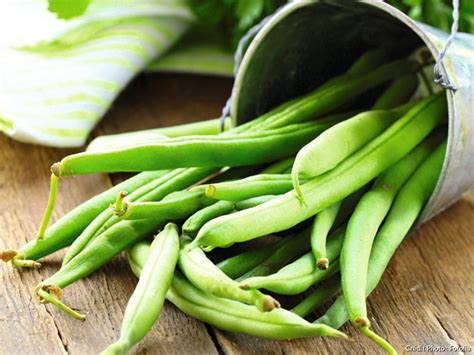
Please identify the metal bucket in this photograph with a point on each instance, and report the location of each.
(307, 42)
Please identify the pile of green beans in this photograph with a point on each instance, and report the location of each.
(312, 197)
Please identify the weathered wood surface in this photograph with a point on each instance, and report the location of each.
(425, 297)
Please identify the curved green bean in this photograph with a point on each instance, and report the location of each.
(341, 140)
(205, 275)
(192, 225)
(406, 209)
(286, 211)
(322, 224)
(144, 307)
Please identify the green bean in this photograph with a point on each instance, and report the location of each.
(118, 238)
(301, 274)
(194, 151)
(151, 191)
(314, 159)
(252, 202)
(406, 209)
(208, 127)
(166, 208)
(286, 251)
(366, 220)
(239, 264)
(253, 186)
(205, 275)
(69, 227)
(192, 225)
(397, 93)
(286, 211)
(227, 314)
(137, 256)
(279, 167)
(144, 307)
(322, 224)
(318, 297)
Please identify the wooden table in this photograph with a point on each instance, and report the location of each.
(425, 297)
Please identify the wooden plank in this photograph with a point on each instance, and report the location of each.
(29, 327)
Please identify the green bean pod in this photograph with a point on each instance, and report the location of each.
(144, 307)
(407, 207)
(195, 151)
(279, 167)
(239, 264)
(252, 202)
(166, 208)
(318, 297)
(231, 315)
(113, 141)
(205, 275)
(192, 225)
(286, 211)
(252, 186)
(118, 238)
(366, 220)
(62, 233)
(301, 274)
(314, 158)
(148, 192)
(322, 224)
(397, 93)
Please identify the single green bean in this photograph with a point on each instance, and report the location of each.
(301, 274)
(406, 209)
(192, 225)
(194, 151)
(118, 238)
(279, 167)
(397, 93)
(166, 208)
(253, 186)
(286, 211)
(144, 307)
(62, 233)
(318, 297)
(322, 224)
(252, 202)
(205, 275)
(208, 127)
(314, 158)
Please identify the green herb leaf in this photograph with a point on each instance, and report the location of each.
(67, 9)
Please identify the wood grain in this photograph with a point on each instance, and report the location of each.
(425, 296)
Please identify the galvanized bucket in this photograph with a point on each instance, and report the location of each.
(307, 42)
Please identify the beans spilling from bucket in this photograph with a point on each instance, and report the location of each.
(260, 225)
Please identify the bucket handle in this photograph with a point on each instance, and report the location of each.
(438, 76)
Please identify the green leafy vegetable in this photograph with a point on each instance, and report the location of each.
(67, 9)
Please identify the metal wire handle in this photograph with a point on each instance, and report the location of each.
(438, 76)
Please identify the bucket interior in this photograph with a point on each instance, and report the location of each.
(307, 43)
